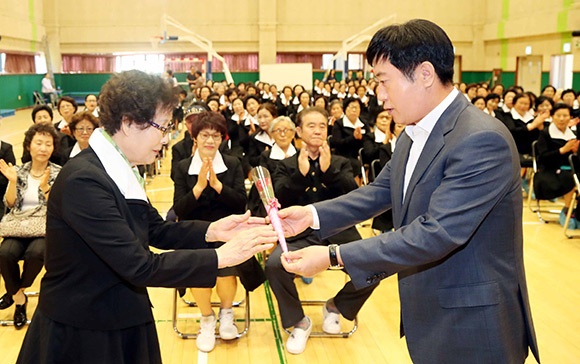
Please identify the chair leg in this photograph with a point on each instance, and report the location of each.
(185, 335)
(569, 217)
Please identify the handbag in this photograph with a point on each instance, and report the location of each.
(29, 223)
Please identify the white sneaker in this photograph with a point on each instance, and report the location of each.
(296, 342)
(331, 323)
(206, 337)
(228, 329)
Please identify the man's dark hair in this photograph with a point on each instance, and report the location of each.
(310, 110)
(407, 45)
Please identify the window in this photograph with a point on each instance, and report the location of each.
(150, 63)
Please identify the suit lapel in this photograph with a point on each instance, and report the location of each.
(433, 147)
(398, 164)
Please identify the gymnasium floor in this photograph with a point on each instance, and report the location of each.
(552, 266)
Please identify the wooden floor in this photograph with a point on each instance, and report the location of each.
(553, 273)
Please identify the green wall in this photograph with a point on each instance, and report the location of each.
(16, 90)
(13, 86)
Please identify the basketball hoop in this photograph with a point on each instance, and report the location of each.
(155, 41)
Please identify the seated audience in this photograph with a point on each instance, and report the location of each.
(347, 134)
(208, 187)
(479, 102)
(491, 104)
(282, 130)
(82, 126)
(555, 143)
(184, 148)
(29, 186)
(43, 114)
(312, 175)
(67, 107)
(91, 105)
(261, 139)
(523, 127)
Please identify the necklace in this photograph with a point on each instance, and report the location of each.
(36, 176)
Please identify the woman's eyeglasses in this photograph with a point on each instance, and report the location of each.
(84, 130)
(163, 129)
(282, 131)
(206, 136)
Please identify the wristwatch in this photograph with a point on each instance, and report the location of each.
(334, 264)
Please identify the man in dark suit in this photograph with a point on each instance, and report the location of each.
(310, 176)
(454, 186)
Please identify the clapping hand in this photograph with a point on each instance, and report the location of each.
(9, 171)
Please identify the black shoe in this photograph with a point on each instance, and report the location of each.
(20, 318)
(6, 301)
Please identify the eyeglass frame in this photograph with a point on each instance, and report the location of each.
(163, 129)
(213, 137)
(83, 130)
(283, 131)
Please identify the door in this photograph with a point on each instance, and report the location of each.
(529, 73)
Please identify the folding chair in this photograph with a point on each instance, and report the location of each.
(575, 165)
(184, 335)
(320, 303)
(363, 167)
(539, 209)
(38, 98)
(375, 169)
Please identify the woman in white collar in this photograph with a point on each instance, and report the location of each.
(283, 130)
(208, 187)
(99, 228)
(524, 128)
(251, 105)
(261, 139)
(304, 100)
(82, 126)
(347, 134)
(554, 178)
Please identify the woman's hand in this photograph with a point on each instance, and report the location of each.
(226, 228)
(570, 146)
(9, 171)
(214, 182)
(202, 178)
(357, 133)
(245, 245)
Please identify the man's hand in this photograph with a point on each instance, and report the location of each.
(306, 262)
(324, 157)
(295, 219)
(245, 244)
(303, 162)
(225, 229)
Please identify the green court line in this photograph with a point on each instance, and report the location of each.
(275, 326)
